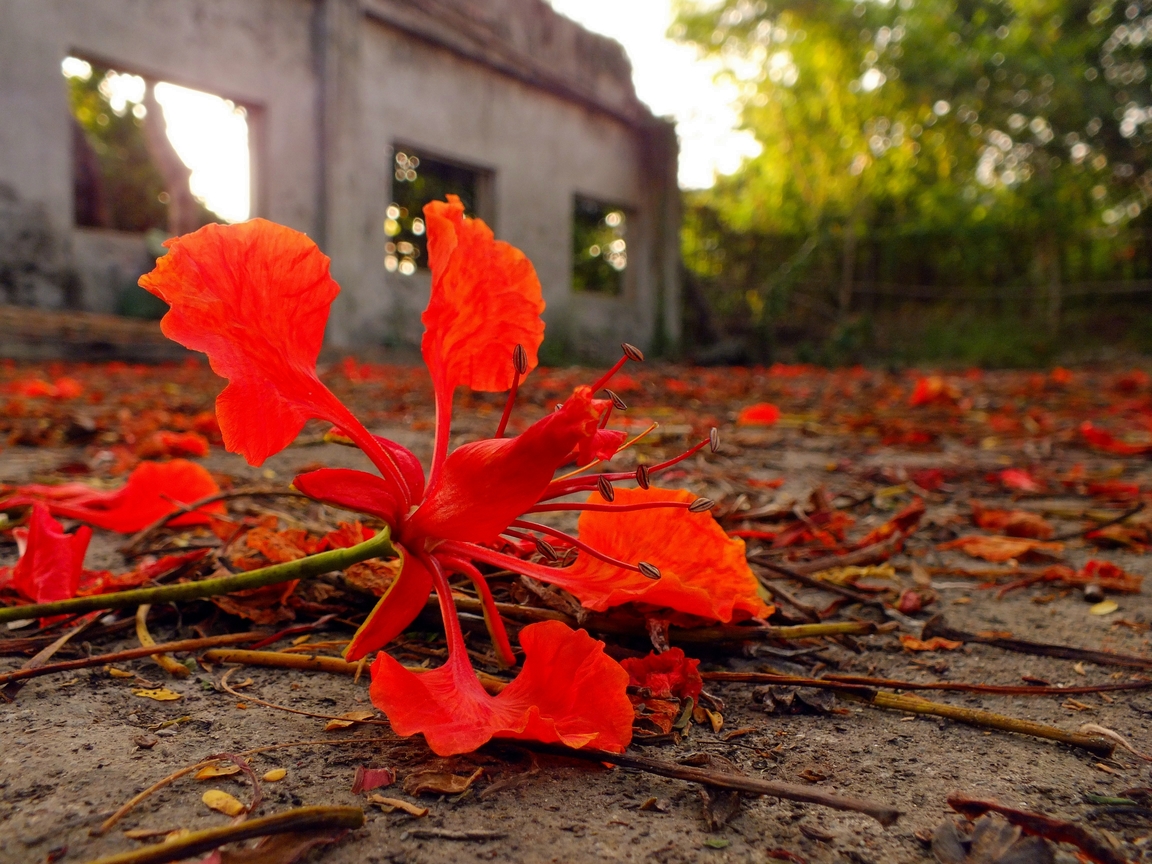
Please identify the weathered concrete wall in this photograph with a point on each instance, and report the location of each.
(331, 87)
(257, 52)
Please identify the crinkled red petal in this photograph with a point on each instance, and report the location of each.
(668, 674)
(486, 300)
(703, 571)
(486, 484)
(401, 603)
(569, 692)
(254, 297)
(602, 445)
(153, 489)
(353, 490)
(49, 569)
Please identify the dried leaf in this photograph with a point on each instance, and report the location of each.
(119, 673)
(222, 802)
(367, 779)
(160, 694)
(208, 772)
(936, 643)
(390, 804)
(439, 783)
(351, 718)
(1104, 607)
(275, 775)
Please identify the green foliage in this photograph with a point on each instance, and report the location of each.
(935, 143)
(130, 183)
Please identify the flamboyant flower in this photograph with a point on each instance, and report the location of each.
(153, 490)
(254, 297)
(51, 560)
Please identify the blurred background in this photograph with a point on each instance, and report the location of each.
(721, 181)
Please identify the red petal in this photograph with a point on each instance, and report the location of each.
(760, 414)
(353, 490)
(703, 570)
(602, 445)
(153, 489)
(398, 608)
(50, 567)
(254, 297)
(485, 301)
(485, 485)
(569, 692)
(667, 674)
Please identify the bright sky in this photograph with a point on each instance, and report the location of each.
(673, 82)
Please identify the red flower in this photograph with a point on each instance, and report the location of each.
(50, 559)
(153, 489)
(760, 414)
(704, 571)
(665, 675)
(255, 298)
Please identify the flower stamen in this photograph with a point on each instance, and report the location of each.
(520, 364)
(581, 545)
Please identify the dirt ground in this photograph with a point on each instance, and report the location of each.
(70, 751)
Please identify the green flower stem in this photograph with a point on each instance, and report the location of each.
(302, 568)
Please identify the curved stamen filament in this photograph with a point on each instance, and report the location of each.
(607, 376)
(579, 544)
(569, 483)
(608, 508)
(492, 617)
(520, 365)
(619, 449)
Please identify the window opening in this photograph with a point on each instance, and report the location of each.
(599, 247)
(416, 181)
(151, 155)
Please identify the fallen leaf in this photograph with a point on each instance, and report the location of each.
(349, 719)
(160, 694)
(998, 549)
(390, 804)
(208, 772)
(222, 802)
(936, 643)
(367, 779)
(439, 783)
(120, 673)
(275, 775)
(1104, 607)
(991, 841)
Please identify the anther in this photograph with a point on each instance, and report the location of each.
(642, 477)
(520, 360)
(714, 439)
(617, 403)
(701, 505)
(632, 352)
(649, 570)
(604, 486)
(546, 549)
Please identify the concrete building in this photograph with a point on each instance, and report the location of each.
(349, 102)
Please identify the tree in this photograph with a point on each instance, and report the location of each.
(965, 141)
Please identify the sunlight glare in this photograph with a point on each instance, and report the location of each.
(210, 135)
(674, 82)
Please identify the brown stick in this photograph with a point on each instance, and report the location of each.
(315, 663)
(8, 691)
(1056, 830)
(882, 813)
(868, 555)
(893, 684)
(819, 584)
(132, 654)
(1072, 535)
(198, 842)
(936, 626)
(986, 719)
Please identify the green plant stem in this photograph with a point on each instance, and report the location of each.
(302, 568)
